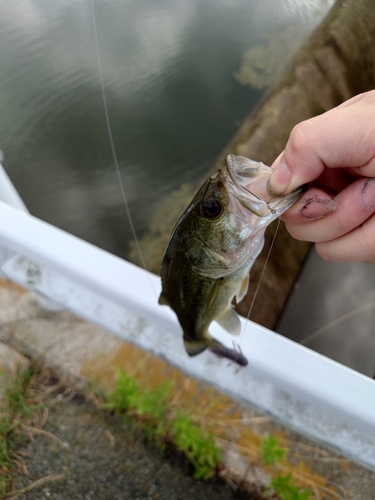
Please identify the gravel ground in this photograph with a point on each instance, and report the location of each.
(102, 459)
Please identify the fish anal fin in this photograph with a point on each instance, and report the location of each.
(230, 321)
(193, 347)
(243, 289)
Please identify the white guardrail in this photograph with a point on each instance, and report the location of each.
(307, 391)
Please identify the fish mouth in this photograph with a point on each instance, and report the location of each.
(247, 181)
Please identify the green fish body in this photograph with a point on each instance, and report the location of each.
(212, 248)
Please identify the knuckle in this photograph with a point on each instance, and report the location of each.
(299, 137)
(341, 225)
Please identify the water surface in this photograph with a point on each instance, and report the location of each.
(173, 100)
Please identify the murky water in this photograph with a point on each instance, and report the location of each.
(169, 73)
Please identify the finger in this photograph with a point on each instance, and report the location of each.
(356, 246)
(355, 205)
(314, 204)
(342, 137)
(353, 100)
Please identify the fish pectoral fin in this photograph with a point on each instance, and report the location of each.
(243, 289)
(230, 321)
(163, 300)
(214, 293)
(193, 347)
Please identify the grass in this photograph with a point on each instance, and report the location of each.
(22, 412)
(16, 408)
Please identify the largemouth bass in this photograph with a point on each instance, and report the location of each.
(212, 248)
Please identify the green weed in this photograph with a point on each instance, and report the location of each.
(164, 424)
(149, 406)
(199, 446)
(273, 454)
(285, 489)
(126, 395)
(270, 450)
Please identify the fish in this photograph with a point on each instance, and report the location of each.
(207, 261)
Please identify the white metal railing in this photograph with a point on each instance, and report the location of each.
(304, 389)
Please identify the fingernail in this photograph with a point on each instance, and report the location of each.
(316, 208)
(368, 194)
(279, 180)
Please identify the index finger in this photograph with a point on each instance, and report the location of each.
(341, 137)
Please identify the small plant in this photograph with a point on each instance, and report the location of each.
(273, 454)
(126, 395)
(199, 446)
(286, 490)
(150, 406)
(270, 450)
(159, 422)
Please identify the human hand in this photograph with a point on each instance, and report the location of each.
(335, 153)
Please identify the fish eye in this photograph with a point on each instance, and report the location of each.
(211, 208)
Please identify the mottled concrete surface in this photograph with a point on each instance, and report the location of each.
(80, 352)
(101, 459)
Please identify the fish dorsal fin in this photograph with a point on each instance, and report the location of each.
(230, 321)
(243, 289)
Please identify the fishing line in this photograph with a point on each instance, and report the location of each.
(112, 144)
(166, 312)
(313, 336)
(260, 280)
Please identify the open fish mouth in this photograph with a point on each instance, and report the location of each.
(247, 180)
